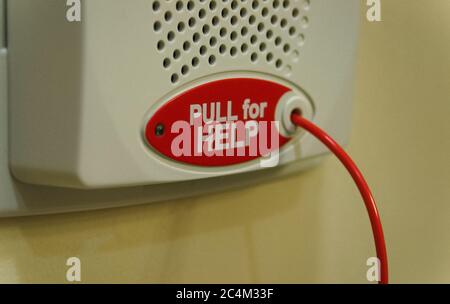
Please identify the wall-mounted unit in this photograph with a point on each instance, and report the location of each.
(93, 105)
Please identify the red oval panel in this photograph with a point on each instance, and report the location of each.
(220, 123)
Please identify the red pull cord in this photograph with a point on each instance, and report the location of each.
(364, 189)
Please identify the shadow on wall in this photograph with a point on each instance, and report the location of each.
(160, 234)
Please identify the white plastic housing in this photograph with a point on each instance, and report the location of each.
(79, 92)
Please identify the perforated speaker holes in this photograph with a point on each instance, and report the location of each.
(200, 33)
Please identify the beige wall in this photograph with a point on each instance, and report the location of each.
(310, 227)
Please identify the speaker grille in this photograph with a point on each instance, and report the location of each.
(198, 34)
